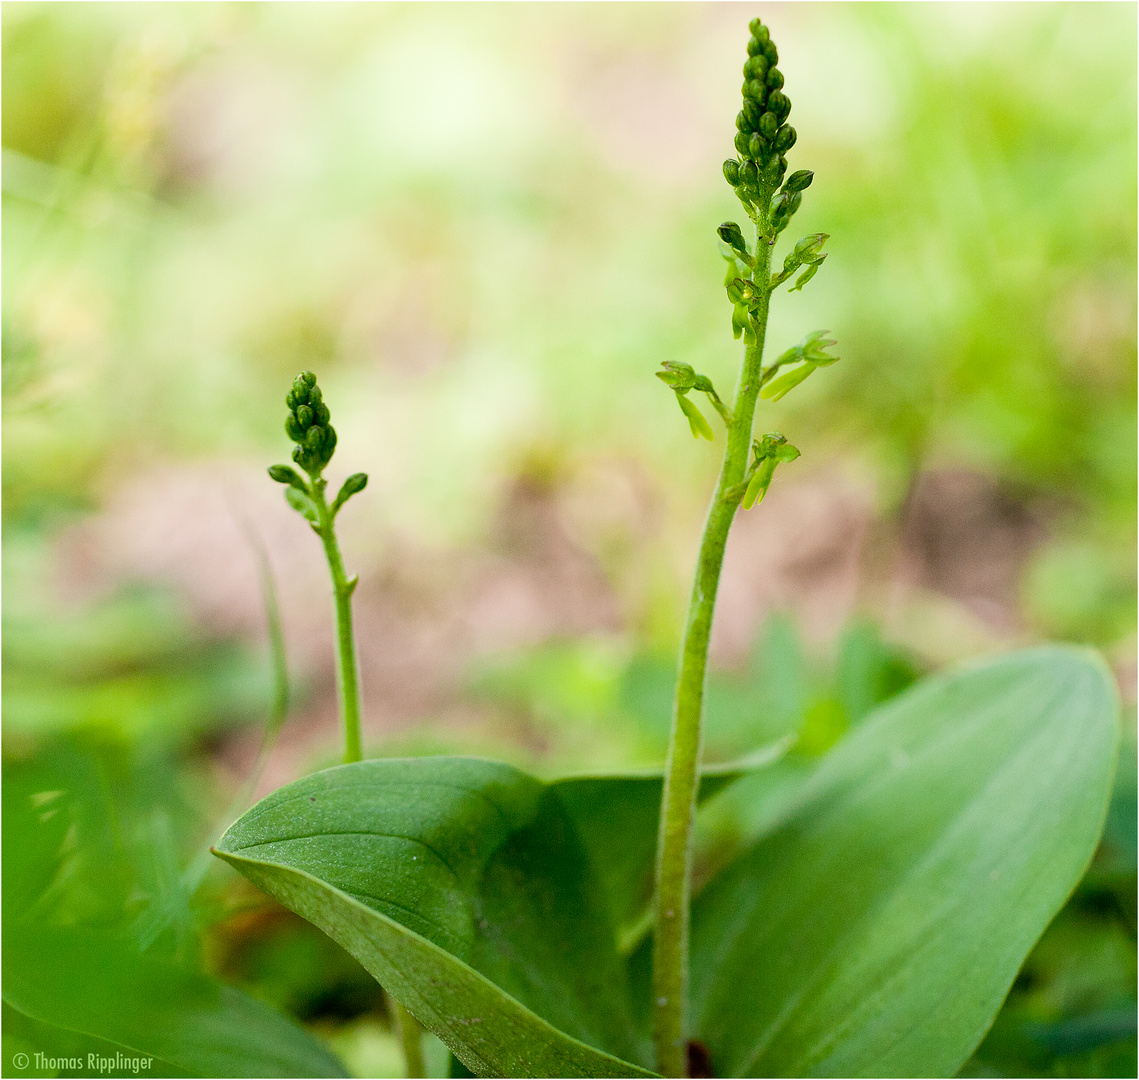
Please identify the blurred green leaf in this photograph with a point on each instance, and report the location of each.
(1080, 590)
(926, 856)
(95, 984)
(868, 671)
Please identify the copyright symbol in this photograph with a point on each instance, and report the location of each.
(20, 1061)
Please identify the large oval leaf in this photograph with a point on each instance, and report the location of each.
(464, 888)
(617, 815)
(483, 899)
(878, 929)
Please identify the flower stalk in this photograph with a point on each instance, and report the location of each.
(308, 426)
(756, 174)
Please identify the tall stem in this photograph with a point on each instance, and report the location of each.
(678, 806)
(409, 1031)
(342, 589)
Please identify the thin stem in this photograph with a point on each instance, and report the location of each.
(342, 589)
(408, 1029)
(410, 1038)
(720, 407)
(678, 806)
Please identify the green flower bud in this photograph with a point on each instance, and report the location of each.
(755, 67)
(315, 396)
(321, 415)
(754, 47)
(741, 142)
(309, 378)
(749, 174)
(775, 79)
(352, 486)
(732, 171)
(785, 138)
(304, 416)
(783, 207)
(742, 123)
(780, 104)
(314, 438)
(293, 429)
(293, 399)
(768, 125)
(759, 31)
(284, 475)
(732, 236)
(355, 484)
(800, 181)
(752, 111)
(756, 145)
(755, 90)
(771, 52)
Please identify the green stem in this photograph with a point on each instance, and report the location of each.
(342, 589)
(408, 1029)
(678, 806)
(410, 1038)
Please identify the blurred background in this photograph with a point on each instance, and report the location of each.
(484, 226)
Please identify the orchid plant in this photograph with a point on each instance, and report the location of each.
(550, 928)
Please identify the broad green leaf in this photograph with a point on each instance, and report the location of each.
(616, 817)
(95, 984)
(463, 887)
(876, 931)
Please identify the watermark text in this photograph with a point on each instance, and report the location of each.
(92, 1063)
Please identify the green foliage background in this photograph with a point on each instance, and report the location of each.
(484, 226)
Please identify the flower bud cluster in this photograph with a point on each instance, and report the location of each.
(763, 136)
(308, 424)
